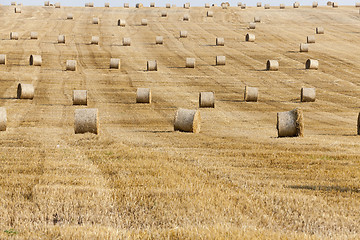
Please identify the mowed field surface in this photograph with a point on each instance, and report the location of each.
(140, 179)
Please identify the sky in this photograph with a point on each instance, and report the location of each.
(161, 3)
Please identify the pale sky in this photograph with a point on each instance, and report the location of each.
(161, 3)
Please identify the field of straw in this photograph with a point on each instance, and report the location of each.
(140, 179)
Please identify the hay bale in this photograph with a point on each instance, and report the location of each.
(251, 94)
(86, 4)
(91, 4)
(358, 125)
(139, 5)
(239, 4)
(257, 19)
(183, 34)
(152, 4)
(3, 59)
(86, 121)
(304, 47)
(168, 5)
(13, 3)
(210, 14)
(190, 63)
(114, 63)
(143, 95)
(14, 36)
(220, 41)
(296, 5)
(25, 91)
(3, 119)
(187, 5)
(243, 6)
(144, 22)
(312, 64)
(159, 40)
(310, 39)
(206, 100)
(152, 65)
(126, 41)
(282, 6)
(163, 14)
(80, 97)
(329, 3)
(220, 60)
(224, 6)
(308, 95)
(357, 4)
(315, 4)
(187, 120)
(272, 65)
(258, 4)
(126, 5)
(250, 37)
(17, 10)
(106, 4)
(252, 25)
(35, 60)
(57, 5)
(61, 39)
(267, 6)
(291, 123)
(207, 5)
(71, 65)
(320, 30)
(95, 20)
(69, 16)
(122, 22)
(214, 5)
(335, 5)
(186, 17)
(33, 35)
(95, 40)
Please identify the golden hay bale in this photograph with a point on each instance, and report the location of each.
(358, 125)
(168, 5)
(272, 65)
(95, 40)
(220, 41)
(152, 4)
(139, 5)
(33, 35)
(250, 37)
(14, 36)
(187, 5)
(282, 6)
(329, 3)
(144, 22)
(258, 4)
(91, 4)
(357, 4)
(210, 14)
(308, 95)
(152, 65)
(3, 119)
(114, 63)
(25, 91)
(310, 39)
(163, 14)
(126, 5)
(267, 6)
(335, 5)
(296, 5)
(315, 4)
(69, 16)
(126, 41)
(243, 6)
(251, 94)
(207, 5)
(71, 65)
(291, 123)
(95, 20)
(257, 19)
(220, 60)
(17, 10)
(3, 59)
(190, 63)
(35, 60)
(106, 4)
(214, 5)
(304, 47)
(143, 95)
(57, 5)
(187, 120)
(86, 120)
(186, 17)
(239, 4)
(206, 100)
(159, 40)
(183, 34)
(320, 30)
(61, 39)
(13, 3)
(252, 25)
(312, 64)
(122, 22)
(80, 97)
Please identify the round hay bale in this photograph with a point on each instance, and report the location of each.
(71, 65)
(186, 17)
(106, 4)
(159, 40)
(220, 60)
(14, 36)
(95, 40)
(252, 25)
(308, 95)
(33, 35)
(95, 20)
(152, 65)
(220, 41)
(17, 10)
(13, 3)
(139, 5)
(257, 19)
(207, 5)
(335, 5)
(190, 63)
(143, 95)
(122, 22)
(282, 6)
(86, 4)
(187, 120)
(209, 13)
(206, 100)
(114, 63)
(3, 59)
(126, 5)
(291, 123)
(69, 16)
(357, 4)
(183, 34)
(80, 97)
(312, 64)
(46, 3)
(61, 39)
(91, 4)
(239, 4)
(126, 41)
(251, 94)
(57, 5)
(86, 121)
(304, 47)
(315, 4)
(250, 37)
(296, 5)
(152, 4)
(258, 4)
(144, 22)
(163, 14)
(267, 6)
(3, 119)
(320, 30)
(35, 60)
(243, 6)
(358, 125)
(214, 5)
(187, 5)
(310, 39)
(272, 65)
(168, 5)
(25, 91)
(329, 3)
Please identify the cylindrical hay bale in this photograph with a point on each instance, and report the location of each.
(91, 4)
(163, 13)
(186, 17)
(115, 63)
(61, 39)
(95, 20)
(183, 34)
(291, 123)
(122, 22)
(86, 4)
(251, 94)
(207, 5)
(210, 14)
(86, 121)
(126, 5)
(308, 94)
(3, 119)
(35, 60)
(14, 36)
(315, 4)
(252, 25)
(258, 4)
(214, 5)
(239, 4)
(17, 10)
(25, 91)
(357, 4)
(152, 4)
(296, 5)
(282, 6)
(159, 40)
(220, 41)
(243, 6)
(3, 59)
(71, 65)
(190, 63)
(272, 65)
(310, 39)
(69, 16)
(33, 35)
(107, 4)
(335, 5)
(329, 3)
(80, 97)
(139, 5)
(144, 22)
(312, 64)
(206, 100)
(358, 125)
(304, 47)
(220, 60)
(257, 19)
(168, 5)
(187, 5)
(320, 30)
(13, 3)
(250, 37)
(187, 120)
(57, 5)
(267, 6)
(95, 40)
(126, 41)
(143, 95)
(152, 65)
